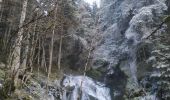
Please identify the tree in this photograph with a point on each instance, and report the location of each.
(17, 46)
(94, 9)
(66, 16)
(161, 66)
(52, 46)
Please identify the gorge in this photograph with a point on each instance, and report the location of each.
(72, 50)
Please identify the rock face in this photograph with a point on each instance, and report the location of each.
(124, 25)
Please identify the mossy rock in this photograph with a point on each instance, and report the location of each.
(24, 96)
(2, 74)
(94, 73)
(8, 88)
(101, 63)
(143, 52)
(137, 93)
(20, 95)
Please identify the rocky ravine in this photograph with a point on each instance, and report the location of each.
(119, 61)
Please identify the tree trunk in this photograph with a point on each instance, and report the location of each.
(17, 48)
(25, 54)
(51, 55)
(1, 9)
(43, 59)
(51, 47)
(60, 50)
(39, 51)
(33, 45)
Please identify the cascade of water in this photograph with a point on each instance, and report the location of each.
(133, 72)
(89, 89)
(132, 63)
(149, 97)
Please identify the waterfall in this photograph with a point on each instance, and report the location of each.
(133, 72)
(86, 87)
(123, 25)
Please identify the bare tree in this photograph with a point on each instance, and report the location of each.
(17, 48)
(60, 50)
(52, 47)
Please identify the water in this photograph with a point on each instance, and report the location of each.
(89, 89)
(149, 97)
(133, 72)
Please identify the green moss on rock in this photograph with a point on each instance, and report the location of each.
(8, 88)
(94, 73)
(2, 74)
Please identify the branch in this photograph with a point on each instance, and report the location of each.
(166, 20)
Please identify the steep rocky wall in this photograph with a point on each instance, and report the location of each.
(123, 51)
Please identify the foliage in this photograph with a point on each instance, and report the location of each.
(167, 19)
(94, 73)
(161, 65)
(7, 89)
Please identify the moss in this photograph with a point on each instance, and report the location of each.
(2, 74)
(25, 96)
(94, 73)
(101, 63)
(143, 52)
(136, 93)
(20, 95)
(8, 88)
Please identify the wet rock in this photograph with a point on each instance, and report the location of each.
(117, 82)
